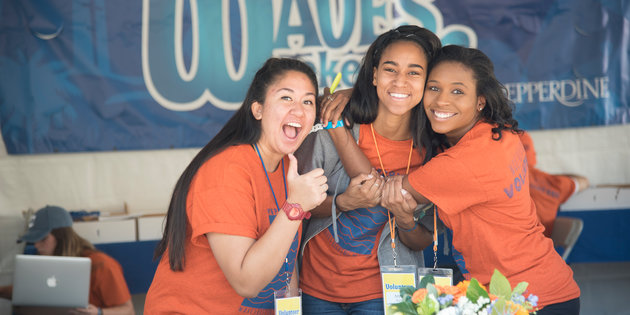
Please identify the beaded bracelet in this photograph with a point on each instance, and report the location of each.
(330, 125)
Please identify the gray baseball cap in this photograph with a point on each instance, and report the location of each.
(45, 220)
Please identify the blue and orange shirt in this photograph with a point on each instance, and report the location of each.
(348, 271)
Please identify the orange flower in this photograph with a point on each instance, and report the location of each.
(419, 295)
(463, 286)
(516, 309)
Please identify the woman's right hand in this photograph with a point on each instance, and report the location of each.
(333, 104)
(363, 191)
(309, 190)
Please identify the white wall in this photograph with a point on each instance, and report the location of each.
(600, 153)
(145, 179)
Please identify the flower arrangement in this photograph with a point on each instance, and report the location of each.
(467, 297)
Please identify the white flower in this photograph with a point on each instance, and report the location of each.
(451, 310)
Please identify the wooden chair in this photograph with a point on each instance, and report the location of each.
(565, 233)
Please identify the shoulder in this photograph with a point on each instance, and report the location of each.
(481, 135)
(232, 161)
(100, 259)
(236, 154)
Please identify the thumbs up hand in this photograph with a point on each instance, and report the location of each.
(309, 190)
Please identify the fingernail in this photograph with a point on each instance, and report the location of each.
(404, 192)
(369, 176)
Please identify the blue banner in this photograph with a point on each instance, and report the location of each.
(97, 75)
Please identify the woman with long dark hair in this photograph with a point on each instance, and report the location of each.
(351, 235)
(233, 225)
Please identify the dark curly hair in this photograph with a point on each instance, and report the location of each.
(498, 109)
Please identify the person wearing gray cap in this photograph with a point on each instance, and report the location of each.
(51, 232)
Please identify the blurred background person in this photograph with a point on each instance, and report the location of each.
(52, 234)
(549, 191)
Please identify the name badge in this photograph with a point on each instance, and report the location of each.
(287, 303)
(442, 276)
(394, 278)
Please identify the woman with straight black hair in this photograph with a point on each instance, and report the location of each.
(234, 222)
(351, 235)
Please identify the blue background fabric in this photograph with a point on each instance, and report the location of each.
(96, 75)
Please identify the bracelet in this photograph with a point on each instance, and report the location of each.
(415, 225)
(331, 126)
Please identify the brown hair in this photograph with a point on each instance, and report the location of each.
(69, 243)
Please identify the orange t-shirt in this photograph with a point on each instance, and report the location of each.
(349, 272)
(107, 283)
(481, 189)
(230, 195)
(547, 190)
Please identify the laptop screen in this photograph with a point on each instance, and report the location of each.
(51, 281)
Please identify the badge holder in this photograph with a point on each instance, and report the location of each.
(395, 278)
(287, 301)
(442, 276)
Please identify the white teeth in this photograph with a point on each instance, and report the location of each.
(443, 115)
(296, 125)
(399, 95)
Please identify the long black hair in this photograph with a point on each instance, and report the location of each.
(242, 128)
(498, 109)
(363, 105)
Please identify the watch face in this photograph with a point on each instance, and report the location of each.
(294, 212)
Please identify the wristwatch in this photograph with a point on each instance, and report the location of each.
(294, 211)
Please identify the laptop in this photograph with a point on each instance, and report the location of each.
(55, 281)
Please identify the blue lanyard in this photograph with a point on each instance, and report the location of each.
(284, 178)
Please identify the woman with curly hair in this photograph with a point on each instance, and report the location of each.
(476, 173)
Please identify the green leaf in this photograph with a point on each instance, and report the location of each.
(498, 307)
(431, 290)
(426, 280)
(406, 292)
(428, 306)
(475, 290)
(500, 286)
(520, 288)
(407, 308)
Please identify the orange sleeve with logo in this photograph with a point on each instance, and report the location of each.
(481, 189)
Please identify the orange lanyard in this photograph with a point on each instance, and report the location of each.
(391, 220)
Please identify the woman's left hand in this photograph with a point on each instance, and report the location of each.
(399, 201)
